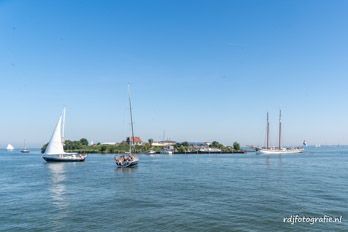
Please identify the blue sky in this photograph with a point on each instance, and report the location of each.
(199, 70)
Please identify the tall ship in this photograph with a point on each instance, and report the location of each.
(55, 149)
(130, 159)
(278, 150)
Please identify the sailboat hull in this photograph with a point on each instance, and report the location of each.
(126, 164)
(64, 158)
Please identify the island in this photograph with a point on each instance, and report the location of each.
(83, 146)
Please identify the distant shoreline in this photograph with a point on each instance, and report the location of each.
(159, 153)
(163, 147)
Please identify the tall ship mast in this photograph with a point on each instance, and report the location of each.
(280, 131)
(267, 132)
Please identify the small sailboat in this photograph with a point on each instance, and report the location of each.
(55, 148)
(128, 160)
(10, 147)
(278, 150)
(25, 149)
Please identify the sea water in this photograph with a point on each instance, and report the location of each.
(229, 192)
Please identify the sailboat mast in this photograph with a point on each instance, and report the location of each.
(280, 129)
(267, 143)
(131, 118)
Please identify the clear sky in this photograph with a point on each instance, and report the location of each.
(199, 70)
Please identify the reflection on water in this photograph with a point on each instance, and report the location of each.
(58, 188)
(126, 170)
(275, 159)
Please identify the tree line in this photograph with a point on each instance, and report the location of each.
(83, 146)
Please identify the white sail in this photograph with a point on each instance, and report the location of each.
(55, 146)
(63, 125)
(9, 147)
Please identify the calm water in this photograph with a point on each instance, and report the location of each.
(174, 193)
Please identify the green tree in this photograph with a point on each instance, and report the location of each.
(236, 146)
(84, 142)
(216, 144)
(111, 149)
(103, 148)
(185, 144)
(150, 141)
(180, 149)
(146, 147)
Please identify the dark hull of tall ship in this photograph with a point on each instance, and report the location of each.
(64, 158)
(25, 151)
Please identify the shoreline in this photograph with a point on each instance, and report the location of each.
(159, 153)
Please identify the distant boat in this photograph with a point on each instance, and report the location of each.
(209, 150)
(55, 148)
(128, 160)
(151, 152)
(25, 149)
(167, 151)
(10, 147)
(279, 150)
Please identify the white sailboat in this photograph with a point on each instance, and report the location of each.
(25, 149)
(10, 147)
(128, 160)
(278, 150)
(55, 148)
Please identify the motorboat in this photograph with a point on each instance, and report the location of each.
(167, 151)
